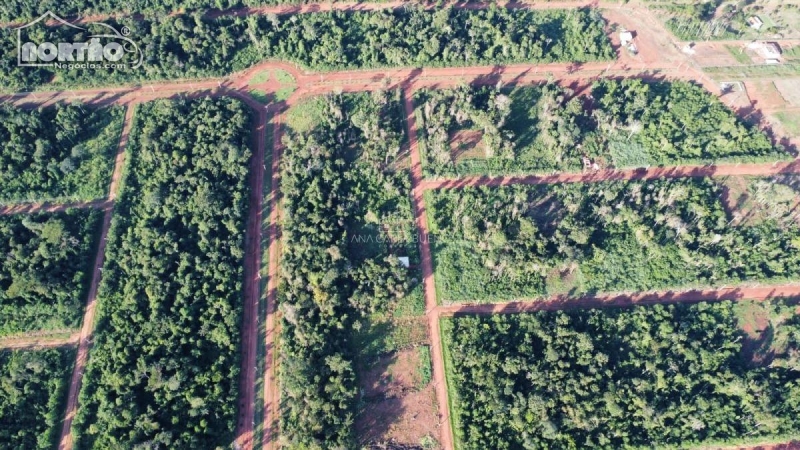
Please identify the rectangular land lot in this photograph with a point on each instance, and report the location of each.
(347, 214)
(45, 271)
(547, 128)
(58, 153)
(662, 376)
(164, 365)
(527, 242)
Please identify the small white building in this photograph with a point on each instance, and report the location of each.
(755, 22)
(404, 261)
(625, 38)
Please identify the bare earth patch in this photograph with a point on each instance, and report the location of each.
(467, 144)
(397, 411)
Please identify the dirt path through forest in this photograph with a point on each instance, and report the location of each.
(653, 173)
(561, 302)
(34, 208)
(36, 342)
(252, 279)
(426, 262)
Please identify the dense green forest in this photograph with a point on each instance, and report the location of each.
(342, 181)
(64, 152)
(45, 269)
(673, 376)
(530, 241)
(33, 390)
(625, 123)
(186, 46)
(163, 370)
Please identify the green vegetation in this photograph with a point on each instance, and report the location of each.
(790, 121)
(45, 269)
(754, 71)
(701, 21)
(738, 54)
(184, 46)
(531, 241)
(33, 390)
(425, 365)
(163, 370)
(663, 376)
(631, 123)
(65, 152)
(347, 220)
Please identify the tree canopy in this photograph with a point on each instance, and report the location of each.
(642, 377)
(163, 370)
(46, 269)
(33, 393)
(63, 152)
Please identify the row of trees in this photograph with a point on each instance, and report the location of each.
(184, 46)
(60, 152)
(339, 180)
(33, 390)
(641, 377)
(163, 370)
(622, 123)
(521, 241)
(45, 269)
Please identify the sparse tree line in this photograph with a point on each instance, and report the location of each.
(621, 123)
(33, 393)
(45, 269)
(163, 369)
(189, 46)
(642, 377)
(532, 241)
(338, 180)
(64, 152)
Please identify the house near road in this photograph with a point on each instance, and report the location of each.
(770, 51)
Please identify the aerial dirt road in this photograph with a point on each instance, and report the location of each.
(561, 302)
(37, 342)
(33, 208)
(597, 176)
(252, 268)
(426, 262)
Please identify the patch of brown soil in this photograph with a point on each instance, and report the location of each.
(397, 413)
(758, 334)
(466, 144)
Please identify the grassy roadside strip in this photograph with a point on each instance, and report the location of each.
(445, 331)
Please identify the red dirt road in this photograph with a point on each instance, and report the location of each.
(721, 170)
(429, 289)
(33, 208)
(36, 342)
(625, 299)
(252, 287)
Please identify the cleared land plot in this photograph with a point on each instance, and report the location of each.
(45, 269)
(662, 376)
(347, 190)
(33, 389)
(164, 366)
(541, 129)
(527, 242)
(790, 91)
(58, 153)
